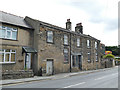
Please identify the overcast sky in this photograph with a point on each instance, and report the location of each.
(99, 17)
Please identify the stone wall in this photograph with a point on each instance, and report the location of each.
(17, 74)
(52, 50)
(24, 38)
(55, 50)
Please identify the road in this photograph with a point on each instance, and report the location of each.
(102, 79)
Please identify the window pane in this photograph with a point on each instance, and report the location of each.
(65, 54)
(2, 33)
(73, 61)
(4, 28)
(88, 43)
(14, 35)
(0, 27)
(1, 57)
(49, 36)
(96, 45)
(65, 39)
(8, 28)
(76, 60)
(78, 42)
(8, 34)
(7, 57)
(1, 50)
(7, 50)
(14, 29)
(12, 57)
(13, 50)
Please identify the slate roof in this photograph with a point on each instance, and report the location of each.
(61, 29)
(13, 19)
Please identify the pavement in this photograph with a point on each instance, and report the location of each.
(53, 77)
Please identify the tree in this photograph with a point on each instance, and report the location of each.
(109, 56)
(115, 50)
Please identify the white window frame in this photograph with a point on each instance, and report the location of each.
(50, 34)
(89, 60)
(65, 39)
(88, 43)
(11, 30)
(96, 45)
(96, 57)
(78, 42)
(4, 52)
(66, 53)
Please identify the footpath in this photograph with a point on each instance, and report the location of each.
(53, 77)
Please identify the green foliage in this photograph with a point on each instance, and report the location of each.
(115, 50)
(108, 56)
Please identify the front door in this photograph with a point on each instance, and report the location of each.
(79, 62)
(49, 67)
(28, 61)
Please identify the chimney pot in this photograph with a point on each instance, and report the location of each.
(79, 28)
(68, 20)
(79, 24)
(68, 24)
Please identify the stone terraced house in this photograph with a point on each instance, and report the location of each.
(63, 50)
(31, 45)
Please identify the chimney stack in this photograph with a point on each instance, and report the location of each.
(68, 24)
(79, 28)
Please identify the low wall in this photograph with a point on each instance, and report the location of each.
(17, 74)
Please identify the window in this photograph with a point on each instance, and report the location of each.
(73, 61)
(65, 55)
(95, 45)
(89, 59)
(96, 57)
(8, 33)
(50, 36)
(78, 42)
(65, 39)
(77, 60)
(88, 43)
(7, 56)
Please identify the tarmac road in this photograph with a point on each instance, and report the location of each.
(102, 79)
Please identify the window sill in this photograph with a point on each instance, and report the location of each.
(79, 47)
(8, 39)
(50, 42)
(66, 62)
(7, 62)
(66, 45)
(89, 61)
(88, 47)
(96, 60)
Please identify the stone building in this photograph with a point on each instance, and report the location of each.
(63, 50)
(15, 38)
(33, 45)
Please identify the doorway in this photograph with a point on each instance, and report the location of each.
(79, 62)
(27, 61)
(49, 67)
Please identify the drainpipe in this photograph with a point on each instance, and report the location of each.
(70, 52)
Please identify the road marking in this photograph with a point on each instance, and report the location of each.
(74, 85)
(99, 78)
(106, 76)
(114, 73)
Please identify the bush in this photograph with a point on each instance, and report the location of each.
(108, 56)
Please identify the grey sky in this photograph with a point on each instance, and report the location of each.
(99, 17)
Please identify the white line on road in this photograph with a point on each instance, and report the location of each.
(105, 76)
(99, 78)
(74, 85)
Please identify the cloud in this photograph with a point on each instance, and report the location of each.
(97, 11)
(111, 24)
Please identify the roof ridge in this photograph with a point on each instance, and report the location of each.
(11, 14)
